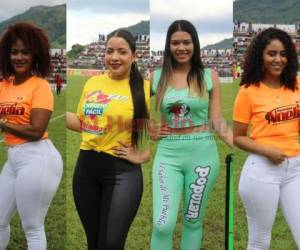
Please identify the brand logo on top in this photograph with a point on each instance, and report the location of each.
(283, 114)
(180, 114)
(11, 108)
(97, 101)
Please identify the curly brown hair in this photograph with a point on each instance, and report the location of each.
(253, 65)
(34, 39)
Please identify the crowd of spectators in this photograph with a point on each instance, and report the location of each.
(227, 62)
(244, 32)
(92, 56)
(58, 66)
(217, 59)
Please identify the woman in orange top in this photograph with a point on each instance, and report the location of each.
(269, 101)
(31, 175)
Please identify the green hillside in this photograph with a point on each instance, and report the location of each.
(141, 28)
(51, 19)
(267, 11)
(224, 44)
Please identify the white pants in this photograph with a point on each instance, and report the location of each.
(28, 182)
(263, 186)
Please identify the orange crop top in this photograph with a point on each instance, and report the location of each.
(274, 115)
(17, 101)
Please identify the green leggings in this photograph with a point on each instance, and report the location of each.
(187, 163)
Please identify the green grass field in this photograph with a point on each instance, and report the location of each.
(63, 227)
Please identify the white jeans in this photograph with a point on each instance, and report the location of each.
(263, 186)
(28, 182)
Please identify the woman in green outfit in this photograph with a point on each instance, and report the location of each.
(188, 96)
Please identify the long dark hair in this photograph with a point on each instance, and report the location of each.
(253, 65)
(34, 40)
(136, 82)
(195, 75)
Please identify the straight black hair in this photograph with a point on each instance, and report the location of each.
(136, 82)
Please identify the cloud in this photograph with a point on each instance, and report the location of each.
(110, 6)
(83, 30)
(11, 8)
(191, 9)
(212, 19)
(210, 25)
(86, 19)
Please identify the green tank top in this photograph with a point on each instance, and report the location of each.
(179, 108)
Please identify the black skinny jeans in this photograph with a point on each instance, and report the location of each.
(107, 192)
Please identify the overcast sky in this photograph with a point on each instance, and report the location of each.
(212, 19)
(10, 8)
(87, 18)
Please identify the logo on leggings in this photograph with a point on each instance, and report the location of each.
(197, 192)
(164, 194)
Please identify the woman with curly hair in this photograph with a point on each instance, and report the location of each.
(269, 102)
(32, 173)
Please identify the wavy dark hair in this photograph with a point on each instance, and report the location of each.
(136, 82)
(34, 39)
(195, 75)
(253, 65)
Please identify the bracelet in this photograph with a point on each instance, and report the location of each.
(2, 123)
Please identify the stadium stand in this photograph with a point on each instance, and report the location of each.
(244, 32)
(92, 57)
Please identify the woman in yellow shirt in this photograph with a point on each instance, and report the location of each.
(111, 116)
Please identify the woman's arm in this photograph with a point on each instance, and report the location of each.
(33, 131)
(73, 122)
(158, 130)
(242, 141)
(217, 121)
(129, 153)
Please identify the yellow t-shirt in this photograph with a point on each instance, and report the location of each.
(106, 111)
(17, 101)
(273, 114)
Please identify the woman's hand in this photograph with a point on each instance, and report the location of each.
(275, 155)
(2, 123)
(39, 119)
(157, 131)
(127, 152)
(242, 141)
(73, 122)
(217, 121)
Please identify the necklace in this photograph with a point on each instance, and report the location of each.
(275, 92)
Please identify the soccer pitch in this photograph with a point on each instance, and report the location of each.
(63, 227)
